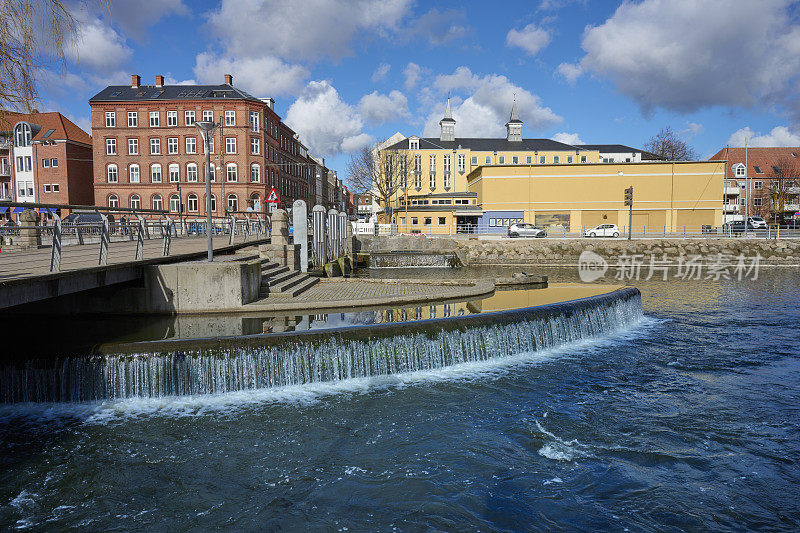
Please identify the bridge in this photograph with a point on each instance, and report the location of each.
(44, 256)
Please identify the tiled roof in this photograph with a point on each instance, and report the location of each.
(763, 158)
(126, 93)
(489, 145)
(63, 128)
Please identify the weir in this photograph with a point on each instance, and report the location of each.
(411, 259)
(213, 366)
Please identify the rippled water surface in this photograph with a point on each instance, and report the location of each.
(688, 419)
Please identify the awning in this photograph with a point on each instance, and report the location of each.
(18, 210)
(3, 209)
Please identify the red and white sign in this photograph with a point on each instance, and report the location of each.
(273, 200)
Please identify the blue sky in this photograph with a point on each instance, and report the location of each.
(345, 73)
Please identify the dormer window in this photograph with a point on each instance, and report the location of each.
(413, 144)
(739, 169)
(22, 135)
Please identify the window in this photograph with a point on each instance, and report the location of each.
(233, 202)
(136, 202)
(758, 170)
(54, 162)
(757, 202)
(758, 185)
(111, 119)
(427, 221)
(191, 202)
(442, 221)
(488, 160)
(432, 163)
(501, 160)
(20, 164)
(230, 118)
(174, 203)
(157, 202)
(172, 118)
(47, 188)
(413, 144)
(133, 173)
(133, 146)
(231, 173)
(188, 118)
(155, 146)
(740, 170)
(255, 146)
(111, 147)
(556, 160)
(515, 160)
(153, 119)
(113, 201)
(741, 201)
(155, 173)
(28, 163)
(172, 145)
(210, 145)
(23, 135)
(213, 173)
(55, 187)
(542, 160)
(111, 174)
(213, 203)
(583, 159)
(529, 160)
(133, 119)
(230, 145)
(191, 172)
(474, 160)
(208, 115)
(414, 220)
(174, 173)
(254, 121)
(569, 159)
(191, 145)
(46, 163)
(255, 172)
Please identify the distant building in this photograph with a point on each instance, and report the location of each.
(44, 158)
(768, 177)
(619, 153)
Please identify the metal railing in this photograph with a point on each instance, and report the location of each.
(102, 226)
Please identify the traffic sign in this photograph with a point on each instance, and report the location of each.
(273, 197)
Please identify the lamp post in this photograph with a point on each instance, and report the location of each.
(207, 128)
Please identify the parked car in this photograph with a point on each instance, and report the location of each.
(520, 229)
(758, 222)
(737, 226)
(602, 230)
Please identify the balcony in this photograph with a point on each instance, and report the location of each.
(5, 170)
(733, 191)
(5, 144)
(730, 208)
(791, 207)
(792, 190)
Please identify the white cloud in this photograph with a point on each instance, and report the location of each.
(320, 28)
(134, 16)
(568, 138)
(96, 45)
(531, 38)
(692, 129)
(412, 73)
(328, 125)
(378, 108)
(570, 72)
(685, 55)
(260, 76)
(381, 72)
(170, 80)
(438, 27)
(779, 136)
(487, 105)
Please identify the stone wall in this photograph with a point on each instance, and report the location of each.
(567, 251)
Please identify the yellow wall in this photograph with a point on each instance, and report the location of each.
(670, 194)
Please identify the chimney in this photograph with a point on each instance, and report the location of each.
(159, 81)
(228, 79)
(136, 80)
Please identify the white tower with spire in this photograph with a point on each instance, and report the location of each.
(448, 125)
(514, 125)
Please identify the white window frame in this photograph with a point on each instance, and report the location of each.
(254, 121)
(192, 198)
(255, 173)
(155, 173)
(188, 117)
(112, 173)
(111, 119)
(133, 146)
(113, 200)
(230, 142)
(111, 147)
(191, 145)
(133, 119)
(174, 171)
(157, 202)
(134, 175)
(232, 201)
(174, 203)
(154, 119)
(231, 173)
(172, 145)
(172, 118)
(255, 145)
(230, 118)
(191, 172)
(208, 115)
(155, 146)
(135, 198)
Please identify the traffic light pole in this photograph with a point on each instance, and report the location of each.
(629, 203)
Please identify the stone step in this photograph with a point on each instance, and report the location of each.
(303, 286)
(272, 270)
(277, 278)
(284, 285)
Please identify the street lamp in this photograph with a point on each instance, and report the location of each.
(207, 128)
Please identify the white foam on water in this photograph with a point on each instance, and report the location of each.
(559, 449)
(114, 411)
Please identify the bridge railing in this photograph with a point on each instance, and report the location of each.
(101, 226)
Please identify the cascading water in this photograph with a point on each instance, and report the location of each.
(299, 359)
(411, 259)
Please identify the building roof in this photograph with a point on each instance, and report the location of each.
(759, 160)
(126, 93)
(619, 149)
(514, 119)
(62, 127)
(481, 144)
(448, 114)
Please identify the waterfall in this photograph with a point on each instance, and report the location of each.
(294, 359)
(411, 259)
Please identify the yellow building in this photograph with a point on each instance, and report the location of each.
(667, 195)
(435, 197)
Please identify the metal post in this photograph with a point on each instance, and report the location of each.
(246, 227)
(166, 233)
(233, 229)
(140, 241)
(333, 234)
(55, 254)
(318, 217)
(343, 248)
(300, 231)
(104, 240)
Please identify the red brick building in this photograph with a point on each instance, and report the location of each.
(772, 182)
(44, 158)
(148, 152)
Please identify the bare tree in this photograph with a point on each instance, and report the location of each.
(381, 173)
(27, 29)
(786, 172)
(668, 146)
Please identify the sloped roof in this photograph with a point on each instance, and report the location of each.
(63, 128)
(620, 149)
(481, 144)
(763, 158)
(126, 93)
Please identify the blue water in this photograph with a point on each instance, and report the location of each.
(687, 420)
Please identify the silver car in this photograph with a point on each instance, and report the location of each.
(521, 229)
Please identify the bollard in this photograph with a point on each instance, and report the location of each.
(300, 231)
(333, 235)
(29, 232)
(318, 219)
(343, 247)
(279, 236)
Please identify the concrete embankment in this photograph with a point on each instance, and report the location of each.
(567, 251)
